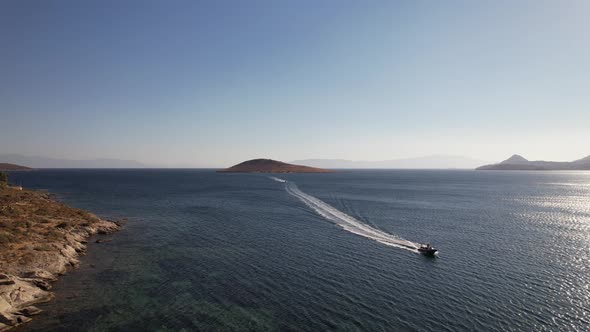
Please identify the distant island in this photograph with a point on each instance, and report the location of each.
(519, 163)
(13, 167)
(271, 166)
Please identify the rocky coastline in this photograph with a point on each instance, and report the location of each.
(40, 239)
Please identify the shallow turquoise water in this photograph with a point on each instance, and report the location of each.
(236, 252)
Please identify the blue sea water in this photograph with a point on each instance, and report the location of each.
(205, 251)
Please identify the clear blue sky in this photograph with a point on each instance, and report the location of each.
(196, 83)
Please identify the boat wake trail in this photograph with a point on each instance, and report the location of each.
(347, 222)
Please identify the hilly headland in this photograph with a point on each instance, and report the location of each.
(13, 167)
(519, 163)
(40, 239)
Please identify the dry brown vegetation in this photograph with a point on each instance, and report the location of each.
(30, 221)
(39, 239)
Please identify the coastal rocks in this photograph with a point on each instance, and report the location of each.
(5, 280)
(42, 239)
(20, 319)
(23, 293)
(29, 280)
(76, 241)
(30, 311)
(55, 258)
(71, 256)
(52, 261)
(17, 298)
(44, 285)
(40, 274)
(7, 319)
(106, 227)
(4, 305)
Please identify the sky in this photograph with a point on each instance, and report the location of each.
(213, 83)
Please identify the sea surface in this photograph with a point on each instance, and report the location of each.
(206, 251)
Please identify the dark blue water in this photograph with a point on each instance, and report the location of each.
(236, 252)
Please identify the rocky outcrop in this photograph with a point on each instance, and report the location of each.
(17, 296)
(40, 239)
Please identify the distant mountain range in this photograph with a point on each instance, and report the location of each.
(270, 166)
(45, 162)
(516, 162)
(519, 163)
(428, 162)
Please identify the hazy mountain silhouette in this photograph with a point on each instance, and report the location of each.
(427, 162)
(583, 160)
(46, 162)
(515, 160)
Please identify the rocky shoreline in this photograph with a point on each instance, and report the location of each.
(40, 239)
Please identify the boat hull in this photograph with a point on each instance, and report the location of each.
(427, 252)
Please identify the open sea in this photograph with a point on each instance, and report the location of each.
(206, 251)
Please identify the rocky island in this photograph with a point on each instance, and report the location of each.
(271, 166)
(40, 239)
(519, 163)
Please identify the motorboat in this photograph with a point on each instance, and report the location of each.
(427, 249)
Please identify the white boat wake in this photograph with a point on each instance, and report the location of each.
(345, 221)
